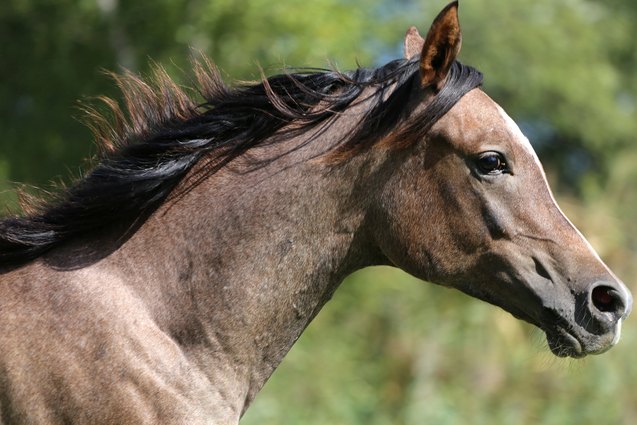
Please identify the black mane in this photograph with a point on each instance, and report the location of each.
(146, 153)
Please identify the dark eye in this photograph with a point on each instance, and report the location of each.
(491, 163)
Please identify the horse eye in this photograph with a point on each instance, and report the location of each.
(491, 163)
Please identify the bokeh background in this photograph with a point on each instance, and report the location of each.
(388, 349)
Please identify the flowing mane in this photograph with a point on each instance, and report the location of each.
(146, 152)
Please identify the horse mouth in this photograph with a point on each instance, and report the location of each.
(565, 339)
(561, 342)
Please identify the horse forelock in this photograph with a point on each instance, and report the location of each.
(149, 145)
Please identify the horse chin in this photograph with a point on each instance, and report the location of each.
(564, 344)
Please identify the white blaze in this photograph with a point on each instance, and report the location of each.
(526, 144)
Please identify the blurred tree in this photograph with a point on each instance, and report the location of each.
(47, 54)
(53, 51)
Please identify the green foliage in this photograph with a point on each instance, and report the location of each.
(388, 349)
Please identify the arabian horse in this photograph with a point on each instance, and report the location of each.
(167, 284)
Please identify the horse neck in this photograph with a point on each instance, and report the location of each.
(247, 258)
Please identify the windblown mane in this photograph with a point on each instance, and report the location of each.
(145, 153)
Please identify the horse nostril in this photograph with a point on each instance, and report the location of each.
(608, 300)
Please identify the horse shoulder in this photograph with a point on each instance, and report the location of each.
(80, 347)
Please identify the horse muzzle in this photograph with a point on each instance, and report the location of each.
(599, 313)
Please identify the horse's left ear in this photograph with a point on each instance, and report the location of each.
(413, 43)
(441, 47)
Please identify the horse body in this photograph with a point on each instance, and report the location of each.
(180, 325)
(181, 316)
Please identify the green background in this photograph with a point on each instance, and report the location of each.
(388, 349)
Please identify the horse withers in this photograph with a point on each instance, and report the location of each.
(168, 283)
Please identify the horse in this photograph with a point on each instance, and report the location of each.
(167, 284)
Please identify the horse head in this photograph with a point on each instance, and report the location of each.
(478, 214)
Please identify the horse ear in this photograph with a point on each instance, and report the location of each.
(413, 43)
(441, 47)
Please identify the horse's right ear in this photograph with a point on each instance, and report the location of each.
(441, 47)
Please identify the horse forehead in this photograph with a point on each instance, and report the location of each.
(478, 113)
(515, 131)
